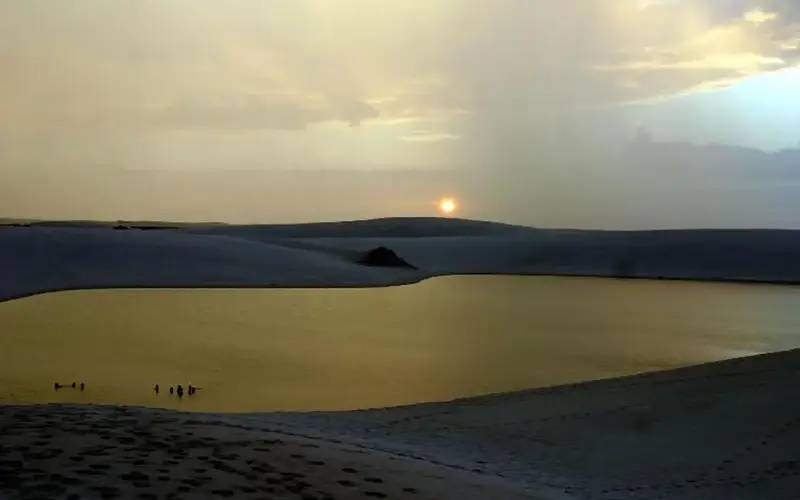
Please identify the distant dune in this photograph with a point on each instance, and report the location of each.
(68, 255)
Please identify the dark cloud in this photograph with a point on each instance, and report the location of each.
(257, 113)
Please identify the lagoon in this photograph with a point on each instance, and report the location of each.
(336, 349)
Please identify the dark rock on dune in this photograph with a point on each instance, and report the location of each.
(384, 257)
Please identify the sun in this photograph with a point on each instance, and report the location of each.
(447, 206)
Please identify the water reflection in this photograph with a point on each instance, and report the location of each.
(346, 348)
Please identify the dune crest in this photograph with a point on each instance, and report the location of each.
(47, 257)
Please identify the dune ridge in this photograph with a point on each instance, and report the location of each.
(60, 256)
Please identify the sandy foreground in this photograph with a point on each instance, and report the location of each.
(723, 430)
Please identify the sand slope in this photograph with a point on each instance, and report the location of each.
(728, 430)
(47, 257)
(72, 452)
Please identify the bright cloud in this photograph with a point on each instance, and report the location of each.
(428, 136)
(758, 16)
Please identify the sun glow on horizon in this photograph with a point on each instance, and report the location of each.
(447, 206)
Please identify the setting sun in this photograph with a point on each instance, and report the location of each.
(447, 206)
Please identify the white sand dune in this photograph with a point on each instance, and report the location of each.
(720, 431)
(49, 256)
(728, 430)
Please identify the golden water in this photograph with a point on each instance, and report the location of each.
(302, 349)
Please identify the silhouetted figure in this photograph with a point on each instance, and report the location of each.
(171, 390)
(180, 391)
(74, 384)
(155, 388)
(57, 386)
(82, 386)
(191, 389)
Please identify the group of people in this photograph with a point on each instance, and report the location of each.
(73, 385)
(191, 390)
(179, 390)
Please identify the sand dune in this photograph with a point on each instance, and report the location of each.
(727, 430)
(105, 452)
(720, 431)
(48, 257)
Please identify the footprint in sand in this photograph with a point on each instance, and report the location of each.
(135, 476)
(106, 491)
(88, 472)
(223, 493)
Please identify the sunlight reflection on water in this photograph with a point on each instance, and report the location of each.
(301, 349)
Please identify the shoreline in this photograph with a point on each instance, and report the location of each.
(587, 384)
(366, 286)
(634, 437)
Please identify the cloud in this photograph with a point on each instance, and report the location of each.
(428, 136)
(746, 62)
(286, 112)
(709, 55)
(241, 66)
(758, 16)
(522, 95)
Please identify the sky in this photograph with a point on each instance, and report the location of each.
(584, 113)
